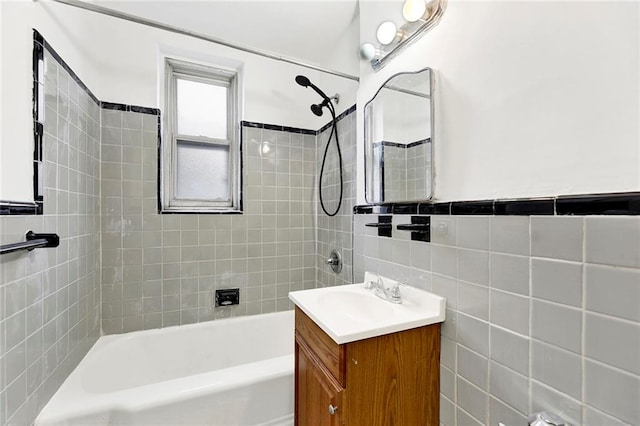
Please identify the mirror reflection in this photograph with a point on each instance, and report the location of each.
(398, 139)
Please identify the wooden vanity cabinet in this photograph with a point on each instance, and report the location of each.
(381, 381)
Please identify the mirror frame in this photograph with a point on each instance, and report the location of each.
(368, 146)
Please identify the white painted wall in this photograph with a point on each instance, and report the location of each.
(67, 30)
(118, 61)
(532, 98)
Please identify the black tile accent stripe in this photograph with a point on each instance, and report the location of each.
(67, 68)
(418, 143)
(266, 126)
(435, 208)
(129, 108)
(288, 129)
(391, 144)
(401, 145)
(342, 115)
(530, 207)
(405, 208)
(601, 204)
(472, 207)
(626, 203)
(373, 209)
(38, 126)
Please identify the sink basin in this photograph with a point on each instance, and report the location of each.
(351, 312)
(349, 302)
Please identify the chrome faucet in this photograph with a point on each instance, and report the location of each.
(379, 289)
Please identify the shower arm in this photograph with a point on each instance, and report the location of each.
(170, 28)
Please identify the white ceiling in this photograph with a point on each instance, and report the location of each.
(309, 30)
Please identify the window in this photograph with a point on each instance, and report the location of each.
(200, 154)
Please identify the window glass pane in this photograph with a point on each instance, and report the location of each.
(203, 172)
(202, 109)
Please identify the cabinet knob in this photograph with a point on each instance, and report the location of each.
(332, 409)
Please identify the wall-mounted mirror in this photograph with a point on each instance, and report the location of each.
(398, 139)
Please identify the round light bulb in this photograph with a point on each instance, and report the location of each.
(367, 51)
(414, 10)
(387, 32)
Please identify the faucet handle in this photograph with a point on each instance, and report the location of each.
(378, 283)
(394, 292)
(371, 280)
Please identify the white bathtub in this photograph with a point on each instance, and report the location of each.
(236, 371)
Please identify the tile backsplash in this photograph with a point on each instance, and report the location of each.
(50, 297)
(543, 313)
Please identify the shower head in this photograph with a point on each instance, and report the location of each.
(305, 82)
(317, 109)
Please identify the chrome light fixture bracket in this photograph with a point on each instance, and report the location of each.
(408, 33)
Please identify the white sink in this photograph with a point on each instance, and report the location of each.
(351, 312)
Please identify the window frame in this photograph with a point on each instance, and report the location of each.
(230, 78)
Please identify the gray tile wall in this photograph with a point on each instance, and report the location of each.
(543, 313)
(49, 297)
(418, 171)
(162, 270)
(406, 172)
(336, 232)
(395, 173)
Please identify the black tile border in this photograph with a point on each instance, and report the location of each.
(67, 68)
(256, 125)
(404, 208)
(472, 207)
(390, 144)
(623, 203)
(38, 124)
(600, 204)
(129, 108)
(298, 130)
(537, 207)
(402, 145)
(340, 116)
(418, 143)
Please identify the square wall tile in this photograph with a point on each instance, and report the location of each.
(557, 368)
(510, 273)
(510, 311)
(473, 232)
(613, 291)
(557, 281)
(472, 399)
(557, 237)
(612, 391)
(613, 341)
(510, 349)
(509, 386)
(558, 325)
(613, 241)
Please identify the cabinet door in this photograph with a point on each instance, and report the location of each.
(317, 392)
